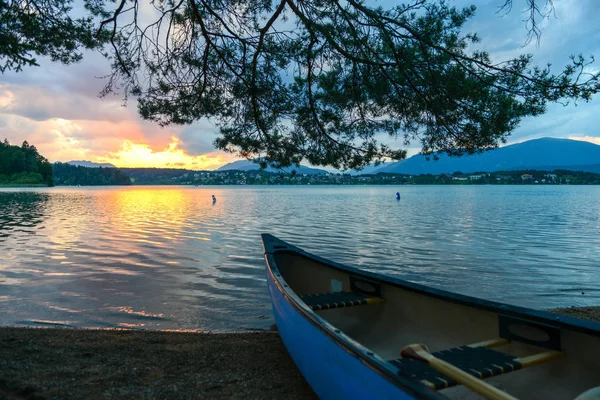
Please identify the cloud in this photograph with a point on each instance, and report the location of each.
(84, 78)
(572, 29)
(44, 102)
(199, 137)
(123, 144)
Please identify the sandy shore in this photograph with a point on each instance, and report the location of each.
(50, 363)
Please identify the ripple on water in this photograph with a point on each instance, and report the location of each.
(167, 258)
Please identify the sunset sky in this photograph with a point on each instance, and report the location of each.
(57, 108)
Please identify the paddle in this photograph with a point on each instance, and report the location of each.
(420, 352)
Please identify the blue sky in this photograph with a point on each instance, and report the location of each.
(57, 107)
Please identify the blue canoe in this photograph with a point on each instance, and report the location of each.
(344, 329)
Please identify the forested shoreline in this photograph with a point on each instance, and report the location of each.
(73, 175)
(23, 166)
(169, 176)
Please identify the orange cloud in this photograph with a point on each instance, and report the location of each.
(141, 155)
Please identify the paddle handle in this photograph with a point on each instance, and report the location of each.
(468, 380)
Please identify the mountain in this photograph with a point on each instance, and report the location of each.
(367, 170)
(89, 164)
(541, 154)
(247, 165)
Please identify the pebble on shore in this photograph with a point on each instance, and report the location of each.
(50, 363)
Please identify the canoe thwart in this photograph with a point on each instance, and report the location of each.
(327, 301)
(480, 362)
(539, 358)
(491, 343)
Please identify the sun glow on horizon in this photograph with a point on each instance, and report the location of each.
(590, 139)
(139, 155)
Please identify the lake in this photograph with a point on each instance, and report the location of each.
(167, 258)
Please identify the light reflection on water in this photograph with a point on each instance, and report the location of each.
(167, 258)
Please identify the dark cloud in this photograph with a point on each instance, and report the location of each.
(84, 78)
(198, 138)
(43, 102)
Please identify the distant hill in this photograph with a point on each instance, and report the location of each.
(541, 154)
(89, 164)
(367, 170)
(246, 165)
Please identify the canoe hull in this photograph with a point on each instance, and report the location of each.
(331, 371)
(344, 328)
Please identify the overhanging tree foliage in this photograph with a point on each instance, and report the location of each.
(44, 28)
(322, 80)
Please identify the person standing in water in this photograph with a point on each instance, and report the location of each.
(397, 195)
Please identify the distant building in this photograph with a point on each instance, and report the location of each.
(526, 177)
(475, 177)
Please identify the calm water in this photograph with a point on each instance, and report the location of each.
(167, 258)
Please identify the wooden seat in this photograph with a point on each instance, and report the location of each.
(477, 359)
(327, 301)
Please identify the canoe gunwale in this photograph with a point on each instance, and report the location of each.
(543, 317)
(273, 246)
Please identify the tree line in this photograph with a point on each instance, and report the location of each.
(23, 165)
(168, 176)
(73, 175)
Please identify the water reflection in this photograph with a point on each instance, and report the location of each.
(21, 212)
(126, 257)
(168, 258)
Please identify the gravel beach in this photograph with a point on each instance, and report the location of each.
(49, 363)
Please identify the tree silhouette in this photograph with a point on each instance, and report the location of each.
(324, 80)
